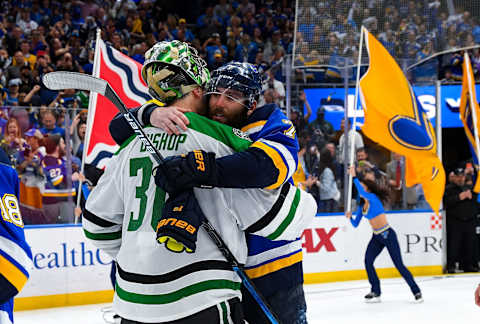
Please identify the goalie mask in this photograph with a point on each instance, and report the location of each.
(173, 69)
(242, 77)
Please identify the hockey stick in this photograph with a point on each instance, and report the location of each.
(71, 80)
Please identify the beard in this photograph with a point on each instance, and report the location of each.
(236, 119)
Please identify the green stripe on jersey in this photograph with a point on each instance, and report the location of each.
(103, 236)
(232, 137)
(176, 295)
(288, 219)
(224, 312)
(124, 144)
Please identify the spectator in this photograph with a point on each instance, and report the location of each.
(66, 63)
(299, 120)
(353, 135)
(77, 132)
(211, 45)
(363, 163)
(25, 22)
(49, 122)
(12, 141)
(246, 50)
(182, 26)
(58, 208)
(38, 42)
(279, 90)
(28, 57)
(11, 98)
(258, 39)
(246, 6)
(461, 208)
(272, 45)
(222, 9)
(27, 80)
(328, 191)
(218, 60)
(29, 159)
(395, 178)
(21, 115)
(13, 71)
(13, 39)
(321, 129)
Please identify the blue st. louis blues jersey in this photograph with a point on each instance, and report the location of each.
(15, 254)
(273, 133)
(274, 264)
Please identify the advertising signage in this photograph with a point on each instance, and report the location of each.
(332, 101)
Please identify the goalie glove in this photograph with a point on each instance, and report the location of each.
(195, 169)
(181, 219)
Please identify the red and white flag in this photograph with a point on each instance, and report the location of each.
(124, 75)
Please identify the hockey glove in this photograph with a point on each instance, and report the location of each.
(196, 169)
(181, 219)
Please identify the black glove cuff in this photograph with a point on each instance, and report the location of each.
(147, 112)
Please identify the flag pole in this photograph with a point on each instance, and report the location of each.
(354, 123)
(92, 101)
(466, 61)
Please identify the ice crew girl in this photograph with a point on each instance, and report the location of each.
(370, 207)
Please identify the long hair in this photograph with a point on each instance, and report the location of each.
(382, 192)
(13, 120)
(326, 161)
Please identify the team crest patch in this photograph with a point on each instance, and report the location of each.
(241, 134)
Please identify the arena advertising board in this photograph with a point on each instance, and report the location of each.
(334, 250)
(68, 270)
(332, 100)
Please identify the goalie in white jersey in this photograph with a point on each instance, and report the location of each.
(155, 285)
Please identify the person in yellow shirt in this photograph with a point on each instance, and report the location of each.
(28, 57)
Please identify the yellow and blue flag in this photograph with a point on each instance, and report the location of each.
(467, 112)
(395, 119)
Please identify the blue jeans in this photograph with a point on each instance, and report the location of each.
(327, 206)
(387, 239)
(289, 305)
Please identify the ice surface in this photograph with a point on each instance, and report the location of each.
(448, 299)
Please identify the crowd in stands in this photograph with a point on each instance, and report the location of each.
(40, 127)
(411, 31)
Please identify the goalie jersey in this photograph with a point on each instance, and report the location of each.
(15, 254)
(153, 283)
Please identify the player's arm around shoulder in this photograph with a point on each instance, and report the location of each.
(119, 127)
(277, 139)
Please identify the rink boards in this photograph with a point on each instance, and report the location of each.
(68, 270)
(333, 250)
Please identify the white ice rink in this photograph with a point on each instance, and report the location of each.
(447, 300)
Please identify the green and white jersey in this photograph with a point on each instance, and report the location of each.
(153, 283)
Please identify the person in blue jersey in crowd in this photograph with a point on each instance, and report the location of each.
(15, 253)
(232, 95)
(371, 197)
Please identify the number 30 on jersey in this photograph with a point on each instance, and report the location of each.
(11, 210)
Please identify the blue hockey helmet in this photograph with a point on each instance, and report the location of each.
(242, 77)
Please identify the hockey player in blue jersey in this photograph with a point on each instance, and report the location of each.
(15, 254)
(233, 92)
(275, 267)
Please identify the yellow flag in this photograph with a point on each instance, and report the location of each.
(395, 119)
(469, 107)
